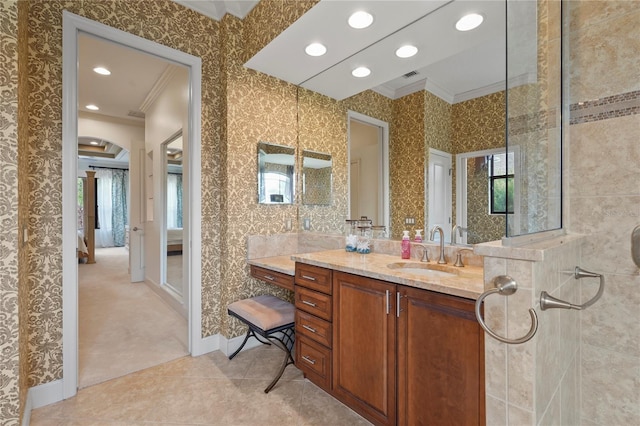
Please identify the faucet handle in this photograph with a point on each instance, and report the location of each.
(425, 253)
(458, 261)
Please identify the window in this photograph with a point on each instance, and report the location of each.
(277, 188)
(501, 176)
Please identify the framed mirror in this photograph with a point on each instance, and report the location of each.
(173, 214)
(276, 174)
(316, 178)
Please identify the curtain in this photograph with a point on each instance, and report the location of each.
(179, 203)
(104, 236)
(172, 202)
(119, 184)
(111, 196)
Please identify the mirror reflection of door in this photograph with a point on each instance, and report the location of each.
(368, 169)
(439, 184)
(174, 215)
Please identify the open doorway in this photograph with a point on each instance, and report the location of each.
(368, 169)
(147, 220)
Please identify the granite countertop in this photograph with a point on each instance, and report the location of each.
(283, 264)
(468, 281)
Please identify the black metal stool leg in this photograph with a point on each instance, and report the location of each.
(283, 344)
(244, 342)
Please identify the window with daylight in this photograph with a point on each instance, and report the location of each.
(501, 176)
(277, 188)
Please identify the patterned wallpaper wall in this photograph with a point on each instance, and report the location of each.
(317, 186)
(10, 350)
(479, 124)
(23, 196)
(162, 21)
(406, 162)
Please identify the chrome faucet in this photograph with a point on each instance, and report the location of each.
(441, 232)
(460, 230)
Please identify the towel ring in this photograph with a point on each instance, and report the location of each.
(549, 302)
(506, 286)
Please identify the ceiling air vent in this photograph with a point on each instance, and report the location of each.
(137, 114)
(410, 74)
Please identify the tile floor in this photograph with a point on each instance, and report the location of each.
(206, 390)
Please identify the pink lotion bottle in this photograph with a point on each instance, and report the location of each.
(406, 245)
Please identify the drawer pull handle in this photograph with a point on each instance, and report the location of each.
(311, 329)
(307, 277)
(269, 277)
(309, 360)
(309, 303)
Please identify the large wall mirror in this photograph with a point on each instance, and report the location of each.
(174, 215)
(276, 174)
(462, 111)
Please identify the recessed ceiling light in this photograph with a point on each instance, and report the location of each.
(92, 107)
(360, 20)
(361, 72)
(469, 22)
(406, 51)
(94, 143)
(101, 71)
(315, 49)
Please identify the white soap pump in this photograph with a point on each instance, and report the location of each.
(418, 237)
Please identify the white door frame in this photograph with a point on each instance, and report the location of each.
(383, 165)
(72, 24)
(429, 204)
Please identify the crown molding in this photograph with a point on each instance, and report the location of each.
(159, 87)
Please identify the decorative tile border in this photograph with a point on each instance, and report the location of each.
(601, 109)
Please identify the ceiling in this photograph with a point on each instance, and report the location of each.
(452, 64)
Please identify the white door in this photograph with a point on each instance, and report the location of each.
(439, 183)
(136, 211)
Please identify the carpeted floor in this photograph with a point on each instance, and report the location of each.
(123, 327)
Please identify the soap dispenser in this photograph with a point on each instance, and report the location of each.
(418, 237)
(406, 245)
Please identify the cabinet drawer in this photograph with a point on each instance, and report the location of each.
(272, 277)
(313, 277)
(314, 361)
(313, 302)
(313, 327)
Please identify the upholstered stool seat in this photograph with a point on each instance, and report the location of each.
(271, 318)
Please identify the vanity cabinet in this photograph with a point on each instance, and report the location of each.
(364, 355)
(273, 277)
(440, 353)
(314, 316)
(406, 356)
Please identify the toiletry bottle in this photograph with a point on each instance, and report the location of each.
(406, 245)
(418, 237)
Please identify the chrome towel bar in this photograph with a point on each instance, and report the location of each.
(506, 286)
(549, 302)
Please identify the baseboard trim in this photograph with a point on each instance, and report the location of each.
(39, 396)
(205, 345)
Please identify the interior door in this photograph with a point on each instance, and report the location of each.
(439, 184)
(136, 211)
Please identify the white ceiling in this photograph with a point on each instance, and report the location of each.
(216, 9)
(454, 65)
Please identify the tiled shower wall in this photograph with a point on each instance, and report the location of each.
(604, 200)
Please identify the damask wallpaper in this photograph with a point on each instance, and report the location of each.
(161, 21)
(10, 350)
(479, 124)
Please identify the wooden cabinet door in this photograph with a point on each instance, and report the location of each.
(364, 341)
(440, 360)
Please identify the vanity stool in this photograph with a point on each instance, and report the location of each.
(272, 319)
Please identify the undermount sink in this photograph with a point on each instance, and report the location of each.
(425, 269)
